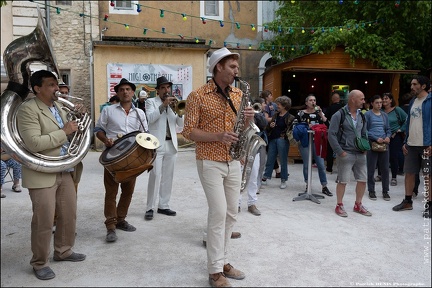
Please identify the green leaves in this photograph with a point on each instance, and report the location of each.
(391, 37)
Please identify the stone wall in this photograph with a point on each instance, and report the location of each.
(71, 37)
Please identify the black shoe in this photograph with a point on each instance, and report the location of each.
(168, 212)
(386, 196)
(405, 205)
(372, 195)
(428, 210)
(326, 191)
(125, 226)
(74, 257)
(148, 215)
(111, 236)
(44, 274)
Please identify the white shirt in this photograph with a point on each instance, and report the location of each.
(114, 121)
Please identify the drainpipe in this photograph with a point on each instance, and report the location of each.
(91, 68)
(48, 22)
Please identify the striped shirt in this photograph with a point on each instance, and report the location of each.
(209, 111)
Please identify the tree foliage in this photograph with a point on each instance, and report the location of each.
(392, 34)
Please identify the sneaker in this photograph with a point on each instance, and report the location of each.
(393, 182)
(263, 181)
(340, 210)
(405, 205)
(283, 185)
(254, 210)
(386, 196)
(372, 195)
(232, 272)
(218, 280)
(377, 178)
(235, 235)
(16, 188)
(327, 192)
(359, 208)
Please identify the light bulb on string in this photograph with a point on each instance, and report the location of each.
(397, 4)
(145, 31)
(313, 30)
(225, 44)
(163, 30)
(126, 26)
(162, 13)
(303, 31)
(196, 40)
(210, 42)
(250, 46)
(58, 10)
(253, 27)
(340, 2)
(112, 3)
(292, 1)
(279, 29)
(265, 28)
(203, 20)
(221, 23)
(237, 25)
(340, 28)
(356, 1)
(283, 48)
(138, 8)
(238, 45)
(181, 36)
(184, 17)
(322, 30)
(106, 17)
(81, 14)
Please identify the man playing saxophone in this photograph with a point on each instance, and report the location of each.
(44, 129)
(211, 113)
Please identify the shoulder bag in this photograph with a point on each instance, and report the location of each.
(361, 143)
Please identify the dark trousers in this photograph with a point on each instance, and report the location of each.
(382, 159)
(116, 213)
(329, 158)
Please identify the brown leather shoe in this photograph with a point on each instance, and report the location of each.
(235, 235)
(232, 272)
(218, 280)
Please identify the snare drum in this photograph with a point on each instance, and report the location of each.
(127, 155)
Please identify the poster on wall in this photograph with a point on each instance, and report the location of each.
(145, 75)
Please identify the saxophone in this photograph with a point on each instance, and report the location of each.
(249, 142)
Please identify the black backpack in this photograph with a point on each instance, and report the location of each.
(343, 116)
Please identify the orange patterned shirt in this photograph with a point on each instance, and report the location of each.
(209, 111)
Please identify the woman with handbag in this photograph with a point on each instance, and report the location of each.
(379, 134)
(397, 122)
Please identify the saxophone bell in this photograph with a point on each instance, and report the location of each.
(59, 94)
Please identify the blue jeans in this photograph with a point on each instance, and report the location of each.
(304, 151)
(278, 146)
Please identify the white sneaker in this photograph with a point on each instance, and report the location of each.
(283, 185)
(264, 182)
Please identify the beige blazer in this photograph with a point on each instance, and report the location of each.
(41, 133)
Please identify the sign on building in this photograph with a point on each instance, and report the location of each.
(145, 75)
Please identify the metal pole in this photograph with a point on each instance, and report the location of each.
(308, 195)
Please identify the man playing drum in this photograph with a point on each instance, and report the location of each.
(114, 122)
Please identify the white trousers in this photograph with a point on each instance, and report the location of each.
(161, 177)
(221, 184)
(252, 186)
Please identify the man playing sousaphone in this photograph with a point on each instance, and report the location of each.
(114, 122)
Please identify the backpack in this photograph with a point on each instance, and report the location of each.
(343, 116)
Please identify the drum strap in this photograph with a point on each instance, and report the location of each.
(141, 122)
